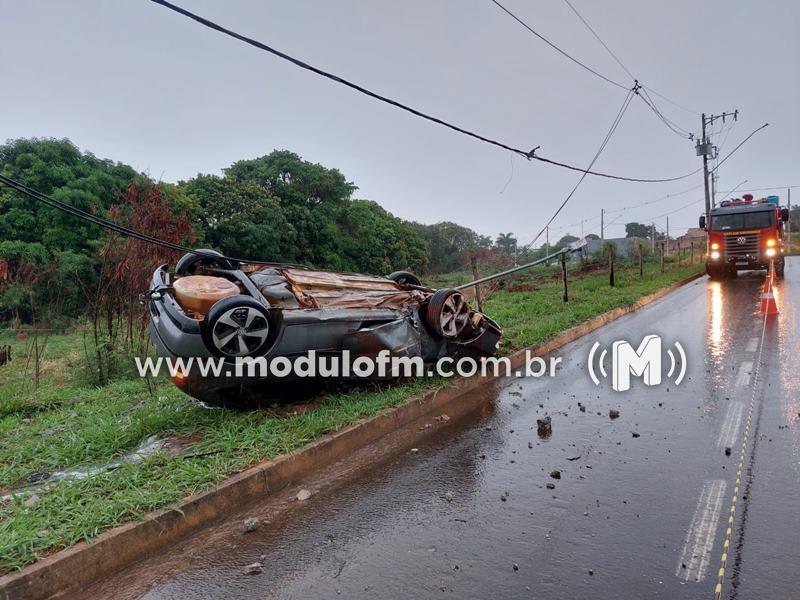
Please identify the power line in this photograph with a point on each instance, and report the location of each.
(111, 226)
(597, 37)
(727, 156)
(626, 103)
(530, 155)
(557, 49)
(762, 189)
(677, 129)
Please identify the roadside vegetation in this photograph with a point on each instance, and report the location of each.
(86, 445)
(67, 422)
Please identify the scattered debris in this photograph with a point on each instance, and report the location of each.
(31, 501)
(443, 418)
(254, 569)
(516, 567)
(303, 495)
(591, 572)
(551, 486)
(635, 434)
(573, 457)
(555, 474)
(414, 450)
(250, 524)
(544, 427)
(504, 497)
(727, 450)
(613, 413)
(449, 496)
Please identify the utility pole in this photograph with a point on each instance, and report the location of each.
(653, 235)
(602, 233)
(706, 149)
(667, 229)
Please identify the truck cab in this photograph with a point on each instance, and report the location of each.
(745, 234)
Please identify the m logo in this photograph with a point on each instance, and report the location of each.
(644, 362)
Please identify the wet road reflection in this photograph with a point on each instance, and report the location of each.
(604, 508)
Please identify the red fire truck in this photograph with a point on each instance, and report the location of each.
(745, 234)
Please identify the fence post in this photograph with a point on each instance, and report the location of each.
(564, 275)
(611, 268)
(662, 257)
(691, 254)
(641, 261)
(478, 299)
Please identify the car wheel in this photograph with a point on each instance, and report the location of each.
(238, 326)
(202, 257)
(447, 313)
(404, 278)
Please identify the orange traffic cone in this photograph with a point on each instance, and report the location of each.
(768, 305)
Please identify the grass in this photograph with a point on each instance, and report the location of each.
(64, 424)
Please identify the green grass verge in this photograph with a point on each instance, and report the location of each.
(63, 424)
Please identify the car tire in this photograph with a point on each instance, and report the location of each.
(447, 313)
(238, 326)
(404, 278)
(202, 257)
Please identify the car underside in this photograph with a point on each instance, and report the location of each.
(213, 307)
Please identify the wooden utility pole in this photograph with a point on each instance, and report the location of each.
(478, 299)
(564, 275)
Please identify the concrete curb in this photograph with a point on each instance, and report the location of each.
(68, 571)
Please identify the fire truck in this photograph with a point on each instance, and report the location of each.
(745, 234)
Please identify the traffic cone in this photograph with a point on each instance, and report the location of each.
(768, 305)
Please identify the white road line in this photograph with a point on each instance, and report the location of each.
(752, 345)
(730, 426)
(699, 543)
(743, 378)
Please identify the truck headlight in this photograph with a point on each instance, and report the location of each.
(715, 255)
(770, 243)
(715, 246)
(771, 252)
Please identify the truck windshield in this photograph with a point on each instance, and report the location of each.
(737, 221)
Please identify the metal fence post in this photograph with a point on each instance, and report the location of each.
(564, 275)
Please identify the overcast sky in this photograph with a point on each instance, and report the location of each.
(135, 82)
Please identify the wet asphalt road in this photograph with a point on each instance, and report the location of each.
(639, 511)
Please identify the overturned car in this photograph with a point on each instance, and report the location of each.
(211, 306)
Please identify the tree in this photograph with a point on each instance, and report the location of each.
(240, 219)
(507, 243)
(638, 230)
(565, 241)
(286, 176)
(447, 244)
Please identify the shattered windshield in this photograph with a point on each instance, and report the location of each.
(737, 221)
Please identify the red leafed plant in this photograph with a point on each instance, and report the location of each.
(126, 265)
